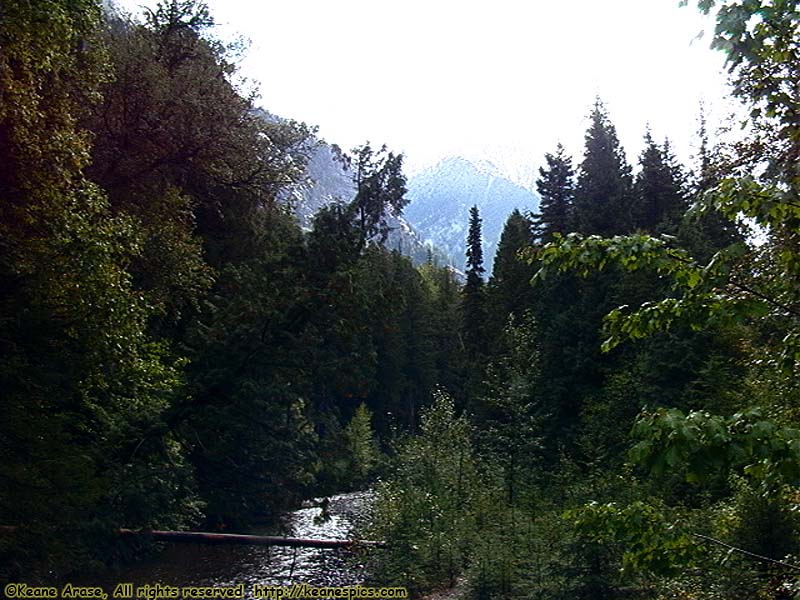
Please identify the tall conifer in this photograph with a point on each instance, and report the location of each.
(509, 290)
(556, 188)
(474, 309)
(711, 231)
(603, 193)
(658, 191)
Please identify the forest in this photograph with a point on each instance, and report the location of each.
(612, 413)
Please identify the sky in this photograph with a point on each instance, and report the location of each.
(491, 80)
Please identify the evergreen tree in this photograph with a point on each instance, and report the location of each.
(475, 268)
(706, 171)
(348, 229)
(556, 190)
(251, 351)
(603, 192)
(660, 201)
(569, 311)
(510, 422)
(710, 231)
(399, 319)
(334, 240)
(509, 291)
(444, 291)
(474, 302)
(380, 188)
(361, 445)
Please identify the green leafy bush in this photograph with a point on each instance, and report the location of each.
(429, 509)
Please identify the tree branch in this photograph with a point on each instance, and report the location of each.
(772, 301)
(745, 288)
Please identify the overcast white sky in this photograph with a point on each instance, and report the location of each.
(501, 80)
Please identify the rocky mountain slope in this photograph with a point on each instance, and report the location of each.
(442, 195)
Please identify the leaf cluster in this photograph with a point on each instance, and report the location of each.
(705, 446)
(649, 542)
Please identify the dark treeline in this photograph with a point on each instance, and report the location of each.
(178, 353)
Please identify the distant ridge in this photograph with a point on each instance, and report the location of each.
(442, 195)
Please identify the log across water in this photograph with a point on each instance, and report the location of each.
(229, 564)
(202, 537)
(206, 537)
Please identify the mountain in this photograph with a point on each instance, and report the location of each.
(441, 197)
(327, 180)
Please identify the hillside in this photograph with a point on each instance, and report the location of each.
(442, 195)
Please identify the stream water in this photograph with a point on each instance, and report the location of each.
(203, 565)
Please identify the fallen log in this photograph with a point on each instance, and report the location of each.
(202, 537)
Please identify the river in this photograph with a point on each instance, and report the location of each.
(182, 565)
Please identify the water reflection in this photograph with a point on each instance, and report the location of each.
(227, 565)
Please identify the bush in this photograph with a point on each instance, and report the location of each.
(428, 509)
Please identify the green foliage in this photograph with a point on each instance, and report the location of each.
(380, 188)
(767, 526)
(373, 322)
(649, 542)
(473, 308)
(747, 289)
(81, 378)
(703, 296)
(361, 445)
(445, 318)
(508, 291)
(179, 147)
(247, 421)
(428, 508)
(176, 15)
(474, 245)
(556, 189)
(406, 370)
(602, 204)
(507, 412)
(607, 415)
(658, 188)
(744, 520)
(707, 446)
(760, 42)
(334, 240)
(176, 349)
